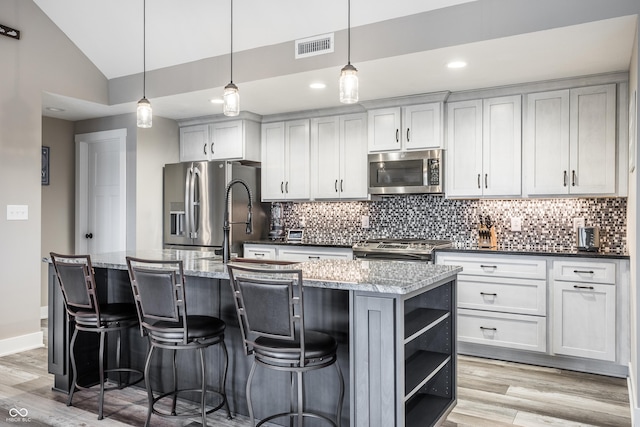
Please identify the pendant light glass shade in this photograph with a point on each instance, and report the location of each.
(144, 113)
(349, 84)
(231, 100)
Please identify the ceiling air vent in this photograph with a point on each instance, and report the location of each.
(316, 45)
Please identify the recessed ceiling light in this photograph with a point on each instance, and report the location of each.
(317, 85)
(457, 64)
(216, 101)
(55, 109)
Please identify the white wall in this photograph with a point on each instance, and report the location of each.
(42, 60)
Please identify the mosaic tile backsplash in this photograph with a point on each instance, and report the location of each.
(546, 223)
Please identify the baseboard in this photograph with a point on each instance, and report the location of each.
(21, 343)
(635, 411)
(44, 312)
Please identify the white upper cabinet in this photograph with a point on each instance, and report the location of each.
(484, 147)
(339, 157)
(285, 160)
(415, 127)
(570, 141)
(194, 143)
(228, 140)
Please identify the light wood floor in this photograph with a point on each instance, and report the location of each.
(490, 393)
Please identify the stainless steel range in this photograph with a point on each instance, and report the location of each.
(398, 249)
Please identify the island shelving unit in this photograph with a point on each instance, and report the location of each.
(394, 322)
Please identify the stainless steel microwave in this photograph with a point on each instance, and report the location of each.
(406, 172)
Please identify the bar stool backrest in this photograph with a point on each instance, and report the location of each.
(158, 292)
(269, 303)
(77, 283)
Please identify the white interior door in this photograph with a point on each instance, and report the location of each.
(101, 192)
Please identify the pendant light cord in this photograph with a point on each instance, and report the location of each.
(349, 31)
(231, 51)
(144, 48)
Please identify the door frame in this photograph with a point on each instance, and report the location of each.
(82, 191)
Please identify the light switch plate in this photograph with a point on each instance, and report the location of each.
(516, 223)
(364, 221)
(578, 222)
(17, 212)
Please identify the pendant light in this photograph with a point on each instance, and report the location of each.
(349, 73)
(231, 96)
(144, 106)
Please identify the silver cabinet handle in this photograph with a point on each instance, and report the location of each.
(583, 271)
(335, 185)
(488, 266)
(408, 135)
(313, 257)
(573, 178)
(286, 187)
(487, 294)
(259, 254)
(397, 135)
(564, 179)
(341, 187)
(488, 329)
(282, 187)
(479, 181)
(485, 180)
(204, 148)
(212, 148)
(583, 287)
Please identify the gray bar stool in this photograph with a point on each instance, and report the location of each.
(270, 308)
(77, 283)
(159, 292)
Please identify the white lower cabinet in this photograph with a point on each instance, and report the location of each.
(295, 253)
(584, 310)
(562, 311)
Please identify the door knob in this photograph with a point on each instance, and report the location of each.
(89, 235)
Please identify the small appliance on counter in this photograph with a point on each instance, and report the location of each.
(276, 231)
(487, 238)
(588, 239)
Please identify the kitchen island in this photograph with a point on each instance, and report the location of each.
(395, 323)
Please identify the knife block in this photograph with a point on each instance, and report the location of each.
(487, 238)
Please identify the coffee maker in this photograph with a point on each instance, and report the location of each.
(276, 232)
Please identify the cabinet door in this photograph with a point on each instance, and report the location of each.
(464, 148)
(297, 162)
(325, 142)
(546, 143)
(384, 129)
(584, 320)
(227, 140)
(194, 143)
(593, 140)
(273, 161)
(501, 146)
(353, 157)
(422, 126)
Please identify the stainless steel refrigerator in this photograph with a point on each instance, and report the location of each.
(193, 203)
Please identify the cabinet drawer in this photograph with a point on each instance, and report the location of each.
(305, 255)
(259, 253)
(505, 295)
(490, 266)
(589, 272)
(515, 331)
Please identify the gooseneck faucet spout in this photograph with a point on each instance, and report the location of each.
(226, 249)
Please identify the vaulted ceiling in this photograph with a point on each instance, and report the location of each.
(110, 34)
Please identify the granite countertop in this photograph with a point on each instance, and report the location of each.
(388, 277)
(537, 250)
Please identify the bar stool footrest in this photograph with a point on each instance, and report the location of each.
(198, 411)
(295, 414)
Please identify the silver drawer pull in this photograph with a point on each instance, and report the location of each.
(583, 271)
(488, 329)
(583, 287)
(488, 266)
(486, 294)
(314, 257)
(259, 254)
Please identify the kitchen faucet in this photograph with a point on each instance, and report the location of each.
(226, 250)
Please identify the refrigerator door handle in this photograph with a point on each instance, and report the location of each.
(187, 201)
(194, 202)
